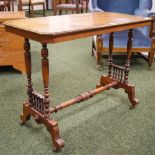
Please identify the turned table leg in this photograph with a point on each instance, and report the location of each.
(99, 53)
(45, 73)
(25, 116)
(110, 60)
(52, 125)
(131, 89)
(129, 47)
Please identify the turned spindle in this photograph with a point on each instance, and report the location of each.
(129, 47)
(45, 74)
(27, 55)
(110, 61)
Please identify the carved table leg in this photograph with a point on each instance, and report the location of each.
(26, 116)
(98, 52)
(52, 126)
(45, 73)
(110, 60)
(131, 89)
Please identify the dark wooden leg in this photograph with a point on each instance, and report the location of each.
(129, 47)
(152, 36)
(29, 13)
(32, 11)
(26, 115)
(38, 104)
(131, 89)
(93, 47)
(20, 7)
(151, 54)
(52, 126)
(60, 12)
(99, 45)
(44, 10)
(110, 61)
(47, 5)
(45, 73)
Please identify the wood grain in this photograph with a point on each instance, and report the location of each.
(68, 27)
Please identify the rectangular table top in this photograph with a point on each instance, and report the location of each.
(68, 27)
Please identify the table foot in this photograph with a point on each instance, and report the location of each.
(51, 125)
(25, 116)
(129, 89)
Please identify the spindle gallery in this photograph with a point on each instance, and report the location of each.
(38, 105)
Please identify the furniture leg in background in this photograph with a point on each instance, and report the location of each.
(30, 4)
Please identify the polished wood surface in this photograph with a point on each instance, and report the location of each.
(11, 50)
(68, 27)
(61, 28)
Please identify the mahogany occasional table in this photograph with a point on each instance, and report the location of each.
(56, 29)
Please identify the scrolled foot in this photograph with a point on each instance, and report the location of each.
(25, 116)
(58, 146)
(130, 90)
(52, 127)
(134, 102)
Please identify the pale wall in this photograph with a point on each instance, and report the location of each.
(153, 8)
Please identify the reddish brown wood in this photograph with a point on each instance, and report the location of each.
(117, 72)
(129, 48)
(25, 116)
(110, 61)
(37, 102)
(129, 89)
(45, 74)
(96, 23)
(92, 24)
(52, 125)
(82, 97)
(28, 70)
(152, 27)
(152, 50)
